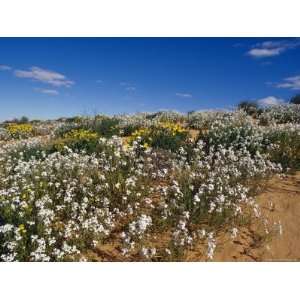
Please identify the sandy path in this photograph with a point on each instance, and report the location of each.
(284, 193)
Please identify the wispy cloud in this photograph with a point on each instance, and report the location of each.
(270, 101)
(262, 52)
(292, 83)
(45, 76)
(184, 95)
(5, 68)
(272, 48)
(47, 91)
(130, 88)
(99, 81)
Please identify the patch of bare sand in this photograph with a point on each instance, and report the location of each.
(280, 201)
(285, 194)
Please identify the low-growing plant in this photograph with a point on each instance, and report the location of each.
(280, 114)
(295, 99)
(250, 107)
(77, 139)
(167, 135)
(104, 126)
(236, 134)
(18, 131)
(285, 146)
(4, 134)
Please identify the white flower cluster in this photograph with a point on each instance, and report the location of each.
(61, 203)
(280, 114)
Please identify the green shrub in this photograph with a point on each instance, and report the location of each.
(285, 147)
(236, 135)
(77, 139)
(295, 99)
(168, 136)
(249, 107)
(104, 126)
(65, 128)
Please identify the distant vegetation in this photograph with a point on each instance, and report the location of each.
(250, 107)
(295, 99)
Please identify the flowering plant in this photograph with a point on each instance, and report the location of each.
(18, 131)
(153, 195)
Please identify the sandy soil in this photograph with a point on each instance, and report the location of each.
(280, 201)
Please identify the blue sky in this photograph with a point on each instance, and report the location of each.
(53, 77)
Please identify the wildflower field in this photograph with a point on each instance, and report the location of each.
(143, 187)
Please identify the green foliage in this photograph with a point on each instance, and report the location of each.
(77, 139)
(285, 147)
(104, 126)
(129, 129)
(295, 99)
(76, 119)
(249, 107)
(166, 135)
(65, 128)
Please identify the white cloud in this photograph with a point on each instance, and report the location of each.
(292, 83)
(130, 88)
(5, 68)
(45, 76)
(184, 95)
(272, 48)
(47, 91)
(270, 101)
(265, 52)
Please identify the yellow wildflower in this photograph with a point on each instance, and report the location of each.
(20, 130)
(22, 229)
(80, 134)
(146, 145)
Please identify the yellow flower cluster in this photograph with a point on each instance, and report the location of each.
(154, 135)
(74, 136)
(146, 146)
(174, 128)
(20, 130)
(142, 132)
(80, 134)
(22, 229)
